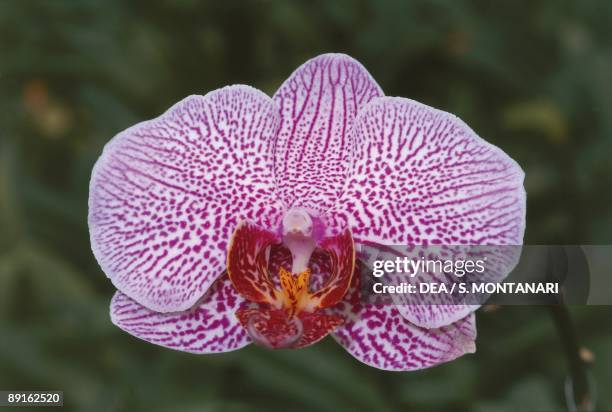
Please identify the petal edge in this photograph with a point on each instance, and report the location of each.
(210, 327)
(380, 337)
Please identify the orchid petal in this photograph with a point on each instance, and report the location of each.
(341, 250)
(318, 105)
(379, 336)
(433, 310)
(423, 177)
(166, 194)
(210, 327)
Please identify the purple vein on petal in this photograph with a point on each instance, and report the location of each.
(166, 194)
(423, 177)
(210, 327)
(318, 106)
(381, 337)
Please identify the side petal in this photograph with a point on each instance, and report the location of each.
(423, 177)
(210, 327)
(247, 263)
(341, 250)
(379, 336)
(166, 194)
(318, 105)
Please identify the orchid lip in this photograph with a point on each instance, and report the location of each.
(288, 313)
(285, 342)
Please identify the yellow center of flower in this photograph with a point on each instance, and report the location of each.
(294, 294)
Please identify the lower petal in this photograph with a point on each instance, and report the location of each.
(434, 316)
(434, 310)
(379, 336)
(209, 327)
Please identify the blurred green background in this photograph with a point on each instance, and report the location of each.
(533, 77)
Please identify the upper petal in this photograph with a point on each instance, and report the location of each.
(379, 336)
(423, 177)
(210, 327)
(318, 104)
(166, 194)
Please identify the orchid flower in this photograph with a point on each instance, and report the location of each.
(236, 218)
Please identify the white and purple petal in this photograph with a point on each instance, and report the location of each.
(318, 105)
(421, 176)
(166, 194)
(432, 310)
(379, 336)
(210, 327)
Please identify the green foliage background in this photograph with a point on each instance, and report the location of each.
(532, 76)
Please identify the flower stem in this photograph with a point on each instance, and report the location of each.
(580, 388)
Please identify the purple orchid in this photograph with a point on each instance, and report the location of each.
(236, 218)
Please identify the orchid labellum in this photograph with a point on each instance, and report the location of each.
(236, 218)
